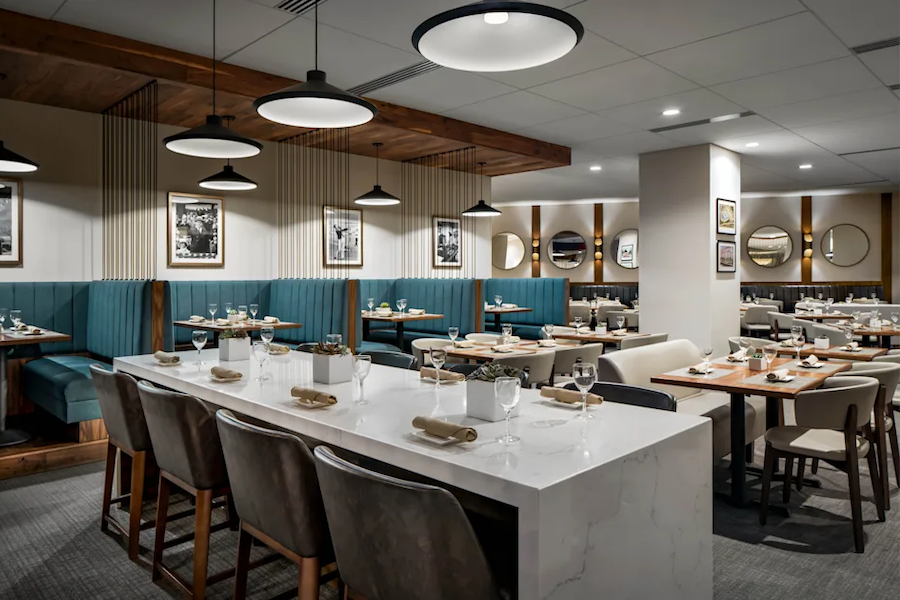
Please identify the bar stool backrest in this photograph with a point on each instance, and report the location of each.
(121, 408)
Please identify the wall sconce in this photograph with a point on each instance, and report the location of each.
(535, 256)
(535, 243)
(807, 245)
(598, 248)
(598, 255)
(535, 246)
(807, 237)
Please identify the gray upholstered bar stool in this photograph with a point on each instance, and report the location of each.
(186, 443)
(398, 539)
(277, 498)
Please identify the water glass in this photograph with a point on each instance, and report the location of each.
(267, 334)
(227, 309)
(254, 310)
(620, 321)
(828, 304)
(370, 302)
(242, 312)
(4, 312)
(261, 353)
(335, 339)
(453, 332)
(498, 300)
(706, 351)
(585, 376)
(771, 295)
(850, 295)
(577, 321)
(15, 316)
(506, 332)
(506, 393)
(401, 305)
(821, 295)
(895, 317)
(198, 337)
(618, 300)
(874, 296)
(549, 329)
(744, 343)
(848, 334)
(213, 308)
(438, 358)
(362, 364)
(770, 352)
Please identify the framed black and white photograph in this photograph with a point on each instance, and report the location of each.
(726, 216)
(196, 231)
(446, 232)
(726, 259)
(10, 222)
(342, 237)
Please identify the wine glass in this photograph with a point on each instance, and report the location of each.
(618, 300)
(770, 352)
(850, 295)
(267, 334)
(506, 393)
(335, 339)
(800, 341)
(198, 337)
(254, 310)
(744, 343)
(820, 296)
(242, 312)
(706, 351)
(438, 358)
(227, 309)
(453, 332)
(15, 316)
(771, 295)
(874, 296)
(855, 314)
(498, 301)
(585, 375)
(362, 364)
(828, 304)
(548, 328)
(895, 317)
(620, 321)
(4, 312)
(213, 308)
(261, 353)
(401, 304)
(848, 335)
(370, 302)
(577, 321)
(756, 301)
(506, 332)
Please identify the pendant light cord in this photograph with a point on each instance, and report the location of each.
(377, 176)
(316, 49)
(214, 60)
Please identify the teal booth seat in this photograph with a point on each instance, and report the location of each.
(58, 306)
(380, 290)
(320, 305)
(186, 298)
(116, 317)
(546, 296)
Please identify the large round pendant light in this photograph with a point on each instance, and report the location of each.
(212, 139)
(482, 209)
(315, 103)
(377, 197)
(10, 162)
(492, 36)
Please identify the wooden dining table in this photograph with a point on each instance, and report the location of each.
(864, 354)
(882, 333)
(499, 312)
(399, 319)
(486, 353)
(248, 326)
(819, 318)
(594, 337)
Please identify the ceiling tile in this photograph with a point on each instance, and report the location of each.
(885, 163)
(542, 186)
(789, 42)
(623, 83)
(834, 108)
(724, 130)
(856, 135)
(176, 24)
(884, 63)
(514, 111)
(38, 8)
(628, 144)
(646, 26)
(577, 129)
(758, 180)
(860, 21)
(830, 78)
(694, 106)
(440, 90)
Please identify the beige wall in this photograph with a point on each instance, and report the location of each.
(778, 212)
(617, 217)
(517, 220)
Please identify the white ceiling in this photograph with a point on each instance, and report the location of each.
(787, 60)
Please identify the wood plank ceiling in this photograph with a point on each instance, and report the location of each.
(52, 63)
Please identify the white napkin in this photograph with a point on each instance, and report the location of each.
(271, 320)
(546, 343)
(584, 329)
(509, 305)
(810, 361)
(700, 369)
(223, 322)
(416, 311)
(738, 356)
(619, 332)
(196, 319)
(464, 343)
(787, 343)
(778, 375)
(502, 348)
(852, 346)
(886, 322)
(32, 330)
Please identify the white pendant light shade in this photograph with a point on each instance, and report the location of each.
(493, 36)
(315, 104)
(229, 180)
(10, 162)
(212, 140)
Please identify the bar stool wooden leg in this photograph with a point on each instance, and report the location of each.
(895, 451)
(138, 466)
(245, 542)
(162, 510)
(308, 588)
(201, 542)
(107, 485)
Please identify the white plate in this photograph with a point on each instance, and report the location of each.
(557, 403)
(553, 345)
(846, 349)
(435, 440)
(218, 380)
(168, 364)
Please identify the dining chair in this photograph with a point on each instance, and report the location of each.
(632, 319)
(780, 325)
(399, 360)
(279, 505)
(563, 329)
(628, 343)
(828, 419)
(400, 539)
(734, 343)
(566, 358)
(622, 393)
(483, 338)
(469, 368)
(835, 335)
(895, 359)
(422, 344)
(539, 366)
(756, 320)
(189, 454)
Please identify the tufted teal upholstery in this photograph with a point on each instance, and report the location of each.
(546, 296)
(62, 386)
(119, 318)
(59, 306)
(319, 304)
(383, 290)
(186, 298)
(454, 298)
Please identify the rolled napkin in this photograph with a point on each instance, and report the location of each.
(20, 327)
(445, 429)
(787, 343)
(619, 331)
(502, 347)
(416, 311)
(196, 319)
(810, 361)
(514, 339)
(886, 323)
(223, 373)
(431, 373)
(852, 345)
(269, 319)
(464, 343)
(31, 330)
(584, 329)
(738, 356)
(278, 349)
(777, 375)
(311, 396)
(569, 396)
(700, 369)
(546, 343)
(223, 322)
(509, 305)
(167, 358)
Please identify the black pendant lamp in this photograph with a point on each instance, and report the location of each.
(315, 104)
(482, 209)
(492, 36)
(213, 139)
(377, 197)
(10, 162)
(228, 179)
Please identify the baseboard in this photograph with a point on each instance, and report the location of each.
(37, 457)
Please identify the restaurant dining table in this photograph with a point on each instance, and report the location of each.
(884, 334)
(593, 336)
(820, 317)
(570, 486)
(399, 319)
(838, 352)
(499, 312)
(737, 380)
(486, 352)
(8, 340)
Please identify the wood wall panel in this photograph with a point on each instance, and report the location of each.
(535, 235)
(887, 244)
(805, 227)
(598, 233)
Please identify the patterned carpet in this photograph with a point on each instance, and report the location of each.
(51, 547)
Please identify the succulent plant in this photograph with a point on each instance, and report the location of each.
(233, 333)
(491, 371)
(327, 349)
(384, 305)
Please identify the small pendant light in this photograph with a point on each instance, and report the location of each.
(10, 162)
(377, 197)
(315, 104)
(482, 209)
(212, 139)
(228, 179)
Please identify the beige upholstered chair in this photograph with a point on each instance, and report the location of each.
(427, 343)
(580, 310)
(756, 320)
(483, 338)
(539, 366)
(644, 340)
(827, 422)
(892, 358)
(632, 319)
(734, 343)
(565, 358)
(780, 324)
(562, 329)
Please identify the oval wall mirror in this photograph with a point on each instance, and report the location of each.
(625, 249)
(770, 246)
(507, 251)
(567, 249)
(845, 245)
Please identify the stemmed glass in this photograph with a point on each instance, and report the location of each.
(620, 321)
(506, 393)
(438, 358)
(855, 314)
(242, 312)
(267, 334)
(453, 332)
(213, 308)
(874, 296)
(506, 332)
(401, 304)
(800, 341)
(371, 304)
(15, 316)
(828, 304)
(335, 339)
(362, 364)
(895, 317)
(770, 352)
(227, 309)
(848, 334)
(3, 314)
(771, 295)
(585, 375)
(548, 328)
(577, 321)
(498, 300)
(706, 351)
(850, 295)
(254, 310)
(796, 336)
(744, 343)
(261, 353)
(198, 337)
(820, 296)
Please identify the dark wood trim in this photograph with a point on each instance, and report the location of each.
(811, 283)
(37, 459)
(91, 431)
(535, 235)
(805, 228)
(479, 305)
(351, 313)
(887, 244)
(157, 315)
(598, 234)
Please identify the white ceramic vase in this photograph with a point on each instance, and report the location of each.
(337, 368)
(481, 404)
(231, 349)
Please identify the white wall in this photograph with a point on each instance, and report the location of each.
(783, 212)
(570, 217)
(862, 210)
(895, 271)
(517, 220)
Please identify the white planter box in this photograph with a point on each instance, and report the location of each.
(822, 343)
(235, 318)
(756, 364)
(481, 404)
(383, 312)
(332, 369)
(231, 349)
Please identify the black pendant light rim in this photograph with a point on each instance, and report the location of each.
(316, 88)
(482, 208)
(212, 129)
(228, 174)
(377, 193)
(480, 8)
(9, 156)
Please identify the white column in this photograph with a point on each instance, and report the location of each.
(680, 290)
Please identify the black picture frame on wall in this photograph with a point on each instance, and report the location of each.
(726, 216)
(726, 257)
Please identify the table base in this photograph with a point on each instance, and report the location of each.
(13, 437)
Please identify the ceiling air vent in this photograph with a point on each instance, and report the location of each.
(748, 113)
(876, 46)
(298, 7)
(409, 72)
(896, 86)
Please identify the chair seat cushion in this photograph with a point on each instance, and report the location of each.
(717, 406)
(376, 347)
(826, 444)
(62, 386)
(756, 327)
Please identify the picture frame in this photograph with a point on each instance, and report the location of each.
(726, 216)
(195, 231)
(726, 257)
(627, 254)
(342, 237)
(446, 246)
(11, 222)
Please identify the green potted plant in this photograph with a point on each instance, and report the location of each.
(384, 309)
(234, 344)
(234, 316)
(480, 401)
(332, 363)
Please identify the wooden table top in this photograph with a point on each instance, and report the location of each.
(886, 330)
(396, 317)
(815, 317)
(17, 339)
(865, 354)
(498, 311)
(734, 383)
(484, 353)
(606, 338)
(247, 325)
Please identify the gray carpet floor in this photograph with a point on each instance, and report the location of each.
(51, 547)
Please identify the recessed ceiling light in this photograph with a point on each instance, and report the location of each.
(671, 112)
(596, 168)
(806, 166)
(725, 118)
(752, 144)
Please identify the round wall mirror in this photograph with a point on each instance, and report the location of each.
(845, 245)
(567, 249)
(625, 249)
(770, 246)
(507, 251)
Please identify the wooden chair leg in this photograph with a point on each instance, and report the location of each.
(162, 511)
(308, 588)
(233, 521)
(877, 482)
(895, 452)
(855, 502)
(768, 468)
(203, 522)
(107, 485)
(245, 543)
(801, 472)
(788, 473)
(138, 467)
